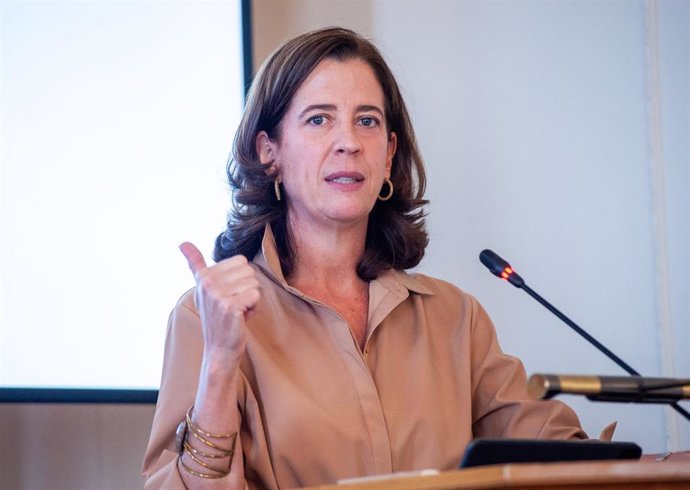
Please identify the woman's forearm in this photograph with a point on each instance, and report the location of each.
(211, 455)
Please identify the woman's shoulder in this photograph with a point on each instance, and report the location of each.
(185, 313)
(186, 301)
(448, 308)
(435, 286)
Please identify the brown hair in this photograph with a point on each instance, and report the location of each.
(396, 234)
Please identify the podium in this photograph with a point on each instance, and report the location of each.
(539, 476)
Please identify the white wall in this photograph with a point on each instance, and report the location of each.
(674, 87)
(535, 123)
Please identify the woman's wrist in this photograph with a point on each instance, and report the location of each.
(217, 380)
(220, 362)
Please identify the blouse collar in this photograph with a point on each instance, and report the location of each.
(395, 281)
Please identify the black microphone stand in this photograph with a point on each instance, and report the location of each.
(502, 269)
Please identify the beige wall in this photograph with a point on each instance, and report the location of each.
(277, 20)
(73, 447)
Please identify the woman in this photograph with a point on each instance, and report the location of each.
(319, 358)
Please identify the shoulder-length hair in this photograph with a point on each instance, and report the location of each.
(396, 234)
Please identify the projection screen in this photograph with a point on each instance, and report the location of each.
(117, 122)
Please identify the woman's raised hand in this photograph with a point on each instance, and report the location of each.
(225, 293)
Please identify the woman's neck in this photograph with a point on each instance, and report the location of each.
(325, 268)
(327, 258)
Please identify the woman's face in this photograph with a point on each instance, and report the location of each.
(333, 151)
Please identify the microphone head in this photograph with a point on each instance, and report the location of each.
(500, 268)
(493, 262)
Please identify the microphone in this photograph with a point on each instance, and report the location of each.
(501, 268)
(632, 389)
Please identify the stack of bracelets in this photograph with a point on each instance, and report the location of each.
(198, 456)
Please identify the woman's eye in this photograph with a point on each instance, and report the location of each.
(317, 120)
(368, 122)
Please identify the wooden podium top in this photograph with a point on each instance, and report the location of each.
(541, 476)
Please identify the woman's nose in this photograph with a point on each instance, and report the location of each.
(347, 140)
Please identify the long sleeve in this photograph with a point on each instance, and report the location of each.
(179, 381)
(500, 404)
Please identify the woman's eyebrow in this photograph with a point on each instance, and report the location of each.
(369, 108)
(318, 107)
(333, 107)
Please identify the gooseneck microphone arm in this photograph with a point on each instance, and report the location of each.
(502, 269)
(624, 365)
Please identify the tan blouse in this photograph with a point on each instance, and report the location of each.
(315, 408)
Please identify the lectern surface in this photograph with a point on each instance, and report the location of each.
(542, 476)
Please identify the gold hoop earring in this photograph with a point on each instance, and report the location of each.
(390, 190)
(276, 187)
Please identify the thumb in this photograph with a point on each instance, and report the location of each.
(194, 258)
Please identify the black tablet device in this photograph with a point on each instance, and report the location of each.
(501, 451)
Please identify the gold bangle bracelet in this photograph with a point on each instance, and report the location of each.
(206, 455)
(222, 451)
(202, 432)
(223, 471)
(198, 473)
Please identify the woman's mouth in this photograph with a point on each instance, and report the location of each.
(345, 177)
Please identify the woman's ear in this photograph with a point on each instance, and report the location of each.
(390, 153)
(265, 148)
